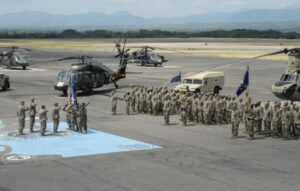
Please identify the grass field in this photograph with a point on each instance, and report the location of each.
(202, 47)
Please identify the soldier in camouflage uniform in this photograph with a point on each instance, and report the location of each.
(200, 109)
(83, 118)
(297, 121)
(183, 109)
(267, 118)
(235, 120)
(207, 108)
(276, 119)
(114, 100)
(250, 117)
(285, 121)
(127, 100)
(132, 98)
(21, 113)
(68, 109)
(43, 119)
(32, 114)
(195, 104)
(167, 107)
(55, 117)
(258, 118)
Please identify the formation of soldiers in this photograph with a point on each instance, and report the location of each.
(76, 117)
(270, 119)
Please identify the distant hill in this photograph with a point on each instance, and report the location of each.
(282, 19)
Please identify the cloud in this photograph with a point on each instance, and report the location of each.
(146, 8)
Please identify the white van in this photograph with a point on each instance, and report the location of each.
(204, 82)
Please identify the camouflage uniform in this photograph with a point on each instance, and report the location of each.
(276, 120)
(127, 99)
(43, 119)
(297, 121)
(21, 116)
(167, 107)
(250, 117)
(68, 109)
(285, 121)
(200, 110)
(195, 109)
(132, 98)
(55, 117)
(114, 103)
(235, 120)
(207, 108)
(183, 109)
(267, 118)
(83, 118)
(32, 114)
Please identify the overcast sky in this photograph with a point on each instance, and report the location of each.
(145, 8)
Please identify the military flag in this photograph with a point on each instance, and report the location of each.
(245, 83)
(176, 78)
(72, 94)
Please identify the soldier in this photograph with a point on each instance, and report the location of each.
(22, 115)
(195, 104)
(127, 99)
(235, 120)
(167, 107)
(200, 109)
(183, 109)
(55, 117)
(114, 103)
(285, 121)
(258, 118)
(68, 109)
(132, 97)
(83, 118)
(241, 108)
(276, 119)
(32, 114)
(250, 117)
(207, 107)
(267, 118)
(43, 119)
(297, 121)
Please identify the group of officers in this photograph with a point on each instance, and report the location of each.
(270, 119)
(76, 116)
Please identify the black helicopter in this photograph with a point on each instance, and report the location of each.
(91, 74)
(11, 58)
(147, 57)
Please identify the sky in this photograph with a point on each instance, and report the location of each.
(144, 8)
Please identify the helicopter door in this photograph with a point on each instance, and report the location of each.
(100, 78)
(93, 80)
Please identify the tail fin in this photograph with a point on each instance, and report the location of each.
(124, 55)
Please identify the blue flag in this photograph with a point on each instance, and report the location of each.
(176, 78)
(243, 86)
(73, 79)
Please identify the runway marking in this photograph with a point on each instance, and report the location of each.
(70, 144)
(20, 70)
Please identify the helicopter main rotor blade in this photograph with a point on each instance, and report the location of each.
(253, 58)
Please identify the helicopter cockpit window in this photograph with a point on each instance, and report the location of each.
(60, 76)
(187, 81)
(294, 77)
(197, 82)
(21, 58)
(284, 77)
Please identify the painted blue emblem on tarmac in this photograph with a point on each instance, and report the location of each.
(70, 144)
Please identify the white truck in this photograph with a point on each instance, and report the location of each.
(204, 82)
(4, 81)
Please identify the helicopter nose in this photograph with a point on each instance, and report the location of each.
(284, 90)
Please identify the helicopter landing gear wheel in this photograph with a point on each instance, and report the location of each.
(6, 85)
(65, 92)
(24, 67)
(155, 65)
(116, 85)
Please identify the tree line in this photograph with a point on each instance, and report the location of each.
(70, 33)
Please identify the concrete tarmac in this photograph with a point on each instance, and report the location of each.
(192, 158)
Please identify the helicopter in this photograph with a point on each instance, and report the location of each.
(12, 58)
(91, 74)
(146, 56)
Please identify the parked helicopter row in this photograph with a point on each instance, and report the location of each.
(92, 74)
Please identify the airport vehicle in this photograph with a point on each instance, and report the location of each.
(91, 74)
(4, 82)
(11, 58)
(204, 82)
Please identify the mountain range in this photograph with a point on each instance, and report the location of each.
(281, 19)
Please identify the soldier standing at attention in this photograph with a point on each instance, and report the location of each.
(132, 98)
(43, 119)
(296, 121)
(285, 121)
(114, 99)
(83, 118)
(32, 114)
(235, 120)
(167, 108)
(276, 119)
(22, 115)
(55, 117)
(68, 109)
(127, 99)
(183, 109)
(250, 117)
(267, 118)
